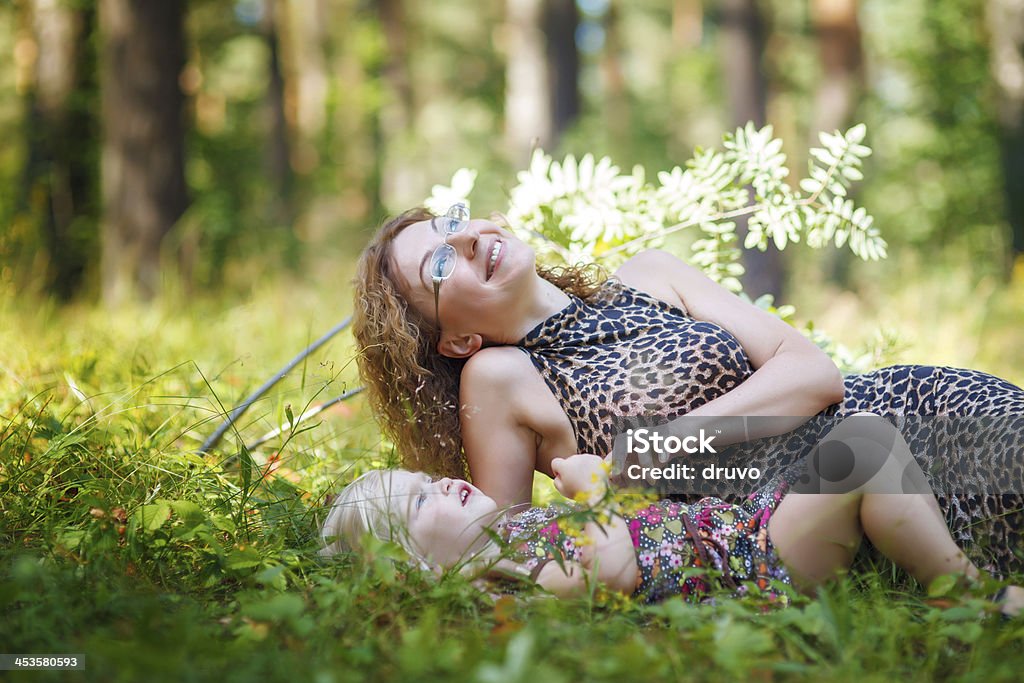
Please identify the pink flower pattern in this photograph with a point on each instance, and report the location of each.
(733, 536)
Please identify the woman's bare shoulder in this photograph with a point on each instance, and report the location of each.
(653, 272)
(504, 379)
(495, 364)
(500, 374)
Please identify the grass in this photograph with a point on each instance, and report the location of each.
(118, 542)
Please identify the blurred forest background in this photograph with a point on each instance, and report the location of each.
(185, 186)
(187, 148)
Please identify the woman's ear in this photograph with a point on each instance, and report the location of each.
(459, 345)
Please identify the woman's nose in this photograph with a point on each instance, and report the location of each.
(464, 240)
(445, 485)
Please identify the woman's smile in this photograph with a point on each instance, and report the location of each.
(495, 257)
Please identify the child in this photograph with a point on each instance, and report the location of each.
(808, 539)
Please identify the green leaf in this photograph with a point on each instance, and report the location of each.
(941, 585)
(248, 467)
(223, 523)
(966, 631)
(822, 155)
(278, 608)
(273, 576)
(857, 133)
(243, 557)
(189, 512)
(154, 515)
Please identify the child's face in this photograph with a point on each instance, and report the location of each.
(445, 518)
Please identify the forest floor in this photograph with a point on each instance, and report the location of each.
(120, 543)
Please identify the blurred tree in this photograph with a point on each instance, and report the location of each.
(1006, 24)
(616, 100)
(397, 36)
(309, 78)
(934, 182)
(278, 156)
(561, 22)
(143, 54)
(687, 22)
(527, 111)
(60, 173)
(398, 106)
(742, 43)
(839, 87)
(842, 75)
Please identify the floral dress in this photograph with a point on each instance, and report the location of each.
(681, 549)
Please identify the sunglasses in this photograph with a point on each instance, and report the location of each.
(442, 261)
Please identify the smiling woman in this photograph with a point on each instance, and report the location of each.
(483, 280)
(412, 386)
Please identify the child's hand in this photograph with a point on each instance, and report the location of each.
(580, 476)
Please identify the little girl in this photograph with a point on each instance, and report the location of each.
(659, 549)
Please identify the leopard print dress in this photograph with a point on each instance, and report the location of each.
(623, 355)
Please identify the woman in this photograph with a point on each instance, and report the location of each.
(468, 350)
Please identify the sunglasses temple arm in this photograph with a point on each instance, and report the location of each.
(437, 303)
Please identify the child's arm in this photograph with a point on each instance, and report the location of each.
(607, 553)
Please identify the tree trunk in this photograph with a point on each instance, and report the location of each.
(742, 44)
(310, 82)
(1006, 24)
(839, 46)
(397, 179)
(396, 67)
(277, 156)
(527, 112)
(564, 65)
(143, 140)
(617, 113)
(842, 79)
(60, 174)
(687, 23)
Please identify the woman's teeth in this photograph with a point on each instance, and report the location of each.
(464, 495)
(494, 258)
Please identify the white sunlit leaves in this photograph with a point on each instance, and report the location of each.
(442, 197)
(587, 210)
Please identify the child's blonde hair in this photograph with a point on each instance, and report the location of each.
(363, 507)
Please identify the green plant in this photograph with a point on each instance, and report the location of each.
(587, 210)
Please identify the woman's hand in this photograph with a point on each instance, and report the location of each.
(581, 477)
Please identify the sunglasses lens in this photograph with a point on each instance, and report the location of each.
(442, 263)
(459, 212)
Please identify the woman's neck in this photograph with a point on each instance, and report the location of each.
(543, 302)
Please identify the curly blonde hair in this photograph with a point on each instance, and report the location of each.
(413, 389)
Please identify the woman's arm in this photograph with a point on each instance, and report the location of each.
(792, 377)
(511, 424)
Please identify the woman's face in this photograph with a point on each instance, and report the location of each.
(491, 273)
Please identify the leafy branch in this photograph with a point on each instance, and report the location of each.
(586, 210)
